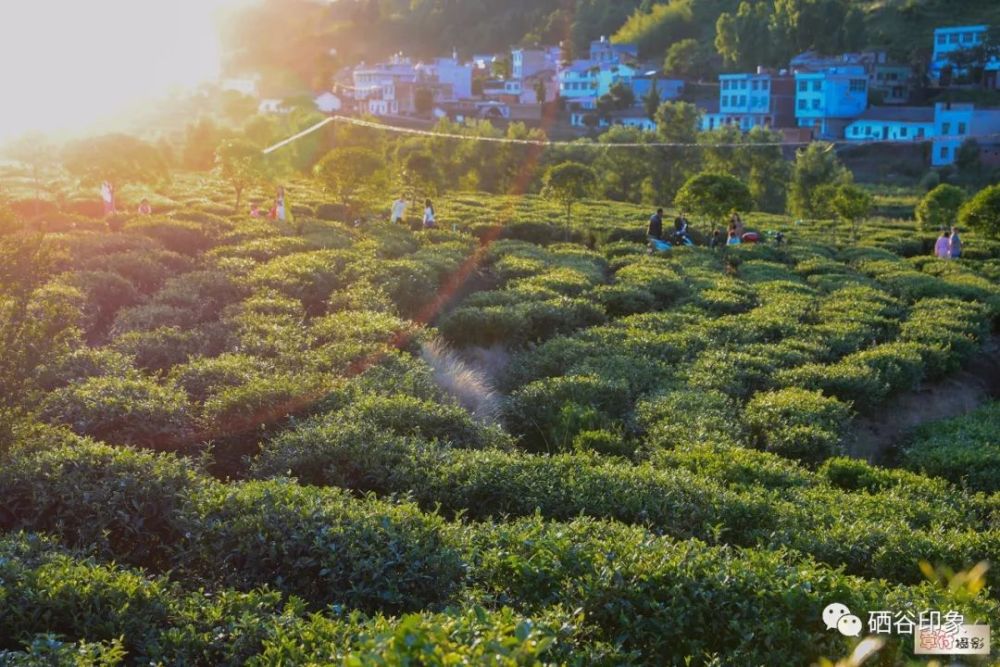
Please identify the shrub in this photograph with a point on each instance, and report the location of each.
(127, 409)
(547, 414)
(796, 423)
(82, 364)
(116, 503)
(622, 300)
(687, 418)
(326, 548)
(161, 349)
(857, 384)
(106, 294)
(964, 450)
(259, 402)
(309, 277)
(201, 377)
(187, 238)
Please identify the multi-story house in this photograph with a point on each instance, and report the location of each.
(892, 82)
(605, 52)
(761, 99)
(948, 41)
(449, 72)
(525, 63)
(578, 84)
(829, 99)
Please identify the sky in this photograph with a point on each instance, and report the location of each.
(68, 64)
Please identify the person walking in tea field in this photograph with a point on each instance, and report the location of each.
(108, 197)
(278, 212)
(955, 245)
(942, 248)
(398, 210)
(429, 220)
(716, 241)
(654, 230)
(254, 210)
(145, 208)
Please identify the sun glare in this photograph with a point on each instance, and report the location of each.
(68, 65)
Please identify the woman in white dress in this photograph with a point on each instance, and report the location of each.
(429, 221)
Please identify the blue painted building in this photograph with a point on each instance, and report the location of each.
(828, 100)
(753, 100)
(946, 42)
(892, 124)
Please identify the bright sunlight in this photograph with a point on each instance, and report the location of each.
(68, 65)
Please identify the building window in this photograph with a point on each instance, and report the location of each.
(802, 104)
(966, 36)
(855, 130)
(944, 152)
(941, 39)
(945, 128)
(817, 86)
(953, 38)
(815, 103)
(725, 100)
(725, 85)
(803, 86)
(857, 85)
(961, 128)
(755, 85)
(765, 84)
(903, 131)
(920, 132)
(868, 130)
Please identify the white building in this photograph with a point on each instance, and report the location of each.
(449, 71)
(892, 124)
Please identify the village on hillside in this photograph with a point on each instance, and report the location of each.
(851, 97)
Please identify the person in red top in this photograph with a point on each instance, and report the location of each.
(145, 208)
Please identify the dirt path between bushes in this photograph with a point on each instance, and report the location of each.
(877, 438)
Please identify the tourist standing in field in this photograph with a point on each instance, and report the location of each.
(278, 212)
(942, 249)
(655, 228)
(955, 245)
(398, 210)
(429, 220)
(736, 225)
(145, 208)
(734, 239)
(108, 197)
(254, 210)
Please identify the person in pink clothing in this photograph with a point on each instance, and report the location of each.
(942, 249)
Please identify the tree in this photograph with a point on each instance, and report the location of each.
(687, 58)
(939, 207)
(967, 159)
(713, 195)
(36, 153)
(651, 101)
(982, 212)
(344, 171)
(117, 158)
(852, 205)
(815, 165)
(567, 183)
(421, 172)
(423, 101)
(200, 141)
(676, 122)
(240, 164)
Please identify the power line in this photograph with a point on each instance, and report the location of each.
(546, 143)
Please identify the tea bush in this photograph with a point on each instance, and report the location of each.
(796, 423)
(964, 450)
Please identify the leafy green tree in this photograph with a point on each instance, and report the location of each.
(241, 165)
(621, 173)
(38, 321)
(688, 58)
(345, 171)
(982, 212)
(676, 122)
(200, 141)
(939, 207)
(118, 158)
(568, 183)
(852, 205)
(651, 100)
(421, 173)
(743, 39)
(815, 165)
(713, 195)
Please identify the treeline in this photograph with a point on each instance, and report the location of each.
(300, 43)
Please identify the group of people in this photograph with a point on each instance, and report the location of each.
(679, 236)
(277, 212)
(735, 234)
(110, 207)
(398, 214)
(949, 244)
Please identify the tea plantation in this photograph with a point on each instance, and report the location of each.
(507, 441)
